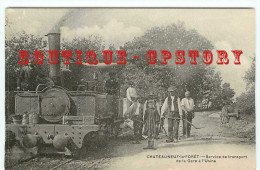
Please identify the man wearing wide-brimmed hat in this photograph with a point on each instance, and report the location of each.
(172, 110)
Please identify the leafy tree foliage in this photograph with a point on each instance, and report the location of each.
(30, 43)
(201, 80)
(211, 89)
(250, 75)
(94, 43)
(246, 101)
(227, 93)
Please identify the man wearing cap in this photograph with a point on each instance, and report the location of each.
(172, 110)
(135, 112)
(187, 104)
(112, 85)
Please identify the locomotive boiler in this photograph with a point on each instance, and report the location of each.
(64, 120)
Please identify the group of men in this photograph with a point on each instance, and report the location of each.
(148, 114)
(173, 109)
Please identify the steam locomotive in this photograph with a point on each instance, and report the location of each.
(64, 121)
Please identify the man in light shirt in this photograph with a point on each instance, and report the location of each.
(187, 104)
(172, 110)
(130, 92)
(135, 113)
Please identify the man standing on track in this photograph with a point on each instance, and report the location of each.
(172, 110)
(187, 104)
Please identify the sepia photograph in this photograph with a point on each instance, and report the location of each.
(130, 88)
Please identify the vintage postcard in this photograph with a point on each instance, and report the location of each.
(130, 88)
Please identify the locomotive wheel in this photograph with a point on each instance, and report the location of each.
(116, 129)
(60, 142)
(93, 141)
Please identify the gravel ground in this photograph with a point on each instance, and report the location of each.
(121, 149)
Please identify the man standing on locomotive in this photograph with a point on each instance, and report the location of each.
(187, 104)
(112, 89)
(112, 85)
(172, 110)
(24, 78)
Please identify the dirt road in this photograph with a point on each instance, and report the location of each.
(215, 146)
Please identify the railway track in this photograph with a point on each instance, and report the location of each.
(92, 159)
(20, 162)
(79, 164)
(61, 164)
(55, 162)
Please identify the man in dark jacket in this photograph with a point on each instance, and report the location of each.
(112, 85)
(172, 110)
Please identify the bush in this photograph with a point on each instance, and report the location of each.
(246, 102)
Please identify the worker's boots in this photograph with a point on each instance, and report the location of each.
(150, 145)
(170, 139)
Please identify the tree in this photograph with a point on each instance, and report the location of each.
(92, 42)
(227, 94)
(172, 37)
(30, 43)
(211, 90)
(246, 101)
(250, 75)
(201, 80)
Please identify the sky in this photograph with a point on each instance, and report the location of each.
(227, 29)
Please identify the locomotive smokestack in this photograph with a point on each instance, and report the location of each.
(54, 44)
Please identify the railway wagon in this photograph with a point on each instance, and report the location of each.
(62, 120)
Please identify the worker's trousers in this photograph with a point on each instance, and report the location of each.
(187, 126)
(173, 125)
